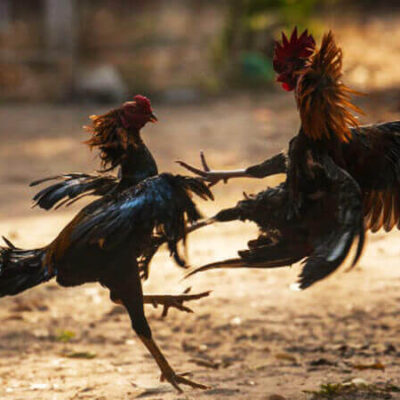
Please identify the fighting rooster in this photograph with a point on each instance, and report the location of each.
(370, 154)
(318, 209)
(107, 237)
(116, 134)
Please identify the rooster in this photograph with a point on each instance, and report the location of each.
(117, 136)
(318, 209)
(105, 240)
(370, 154)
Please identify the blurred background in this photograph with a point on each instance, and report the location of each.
(206, 65)
(176, 50)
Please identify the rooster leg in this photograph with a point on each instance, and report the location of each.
(167, 373)
(213, 177)
(128, 290)
(173, 301)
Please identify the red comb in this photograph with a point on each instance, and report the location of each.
(292, 50)
(142, 102)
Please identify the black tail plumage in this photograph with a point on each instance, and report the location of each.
(21, 269)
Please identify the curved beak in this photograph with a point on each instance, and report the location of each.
(153, 118)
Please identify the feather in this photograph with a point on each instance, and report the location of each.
(71, 188)
(322, 99)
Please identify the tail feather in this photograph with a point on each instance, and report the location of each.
(241, 263)
(21, 269)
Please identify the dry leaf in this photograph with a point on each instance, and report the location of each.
(376, 365)
(286, 357)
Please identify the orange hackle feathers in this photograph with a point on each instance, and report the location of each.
(109, 136)
(324, 102)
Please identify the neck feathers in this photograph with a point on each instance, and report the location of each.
(324, 102)
(109, 135)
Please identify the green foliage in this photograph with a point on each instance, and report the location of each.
(243, 52)
(83, 355)
(256, 67)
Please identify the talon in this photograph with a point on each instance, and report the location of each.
(176, 379)
(204, 162)
(193, 169)
(174, 301)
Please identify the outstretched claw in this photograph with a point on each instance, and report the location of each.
(204, 162)
(174, 301)
(213, 177)
(177, 379)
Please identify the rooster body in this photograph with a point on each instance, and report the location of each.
(370, 153)
(119, 225)
(320, 212)
(108, 239)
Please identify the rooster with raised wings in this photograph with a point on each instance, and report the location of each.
(370, 153)
(316, 214)
(106, 240)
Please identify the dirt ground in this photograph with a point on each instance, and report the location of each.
(253, 337)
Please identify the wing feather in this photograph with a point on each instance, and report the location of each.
(70, 188)
(162, 203)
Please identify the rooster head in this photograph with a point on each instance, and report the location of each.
(136, 113)
(291, 56)
(115, 130)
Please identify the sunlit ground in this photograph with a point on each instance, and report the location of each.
(253, 336)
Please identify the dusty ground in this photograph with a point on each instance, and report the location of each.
(253, 337)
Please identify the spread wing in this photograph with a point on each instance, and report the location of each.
(72, 187)
(372, 157)
(162, 203)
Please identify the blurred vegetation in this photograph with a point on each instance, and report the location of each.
(242, 54)
(176, 50)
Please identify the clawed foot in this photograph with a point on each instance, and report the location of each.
(176, 379)
(174, 301)
(213, 177)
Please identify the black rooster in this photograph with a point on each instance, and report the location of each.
(370, 154)
(117, 136)
(317, 212)
(105, 240)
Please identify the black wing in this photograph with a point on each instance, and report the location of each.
(372, 158)
(162, 203)
(322, 235)
(72, 187)
(331, 248)
(280, 243)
